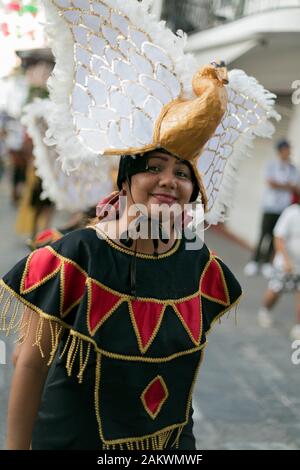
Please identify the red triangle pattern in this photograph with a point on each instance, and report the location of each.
(101, 302)
(147, 316)
(73, 286)
(213, 283)
(190, 312)
(41, 264)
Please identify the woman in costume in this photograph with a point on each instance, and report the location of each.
(124, 316)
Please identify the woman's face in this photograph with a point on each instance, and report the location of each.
(168, 181)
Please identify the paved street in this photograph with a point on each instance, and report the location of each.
(247, 394)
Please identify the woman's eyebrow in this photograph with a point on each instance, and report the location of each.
(160, 157)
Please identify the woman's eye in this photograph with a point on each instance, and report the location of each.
(154, 168)
(183, 174)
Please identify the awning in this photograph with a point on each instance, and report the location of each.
(228, 53)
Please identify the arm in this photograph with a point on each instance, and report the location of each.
(286, 186)
(281, 248)
(27, 385)
(16, 354)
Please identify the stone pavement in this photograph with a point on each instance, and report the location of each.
(247, 393)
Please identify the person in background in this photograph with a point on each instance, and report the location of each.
(286, 272)
(17, 150)
(282, 187)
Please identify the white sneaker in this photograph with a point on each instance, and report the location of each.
(251, 268)
(295, 332)
(267, 270)
(264, 318)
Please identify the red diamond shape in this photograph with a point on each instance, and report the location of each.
(154, 396)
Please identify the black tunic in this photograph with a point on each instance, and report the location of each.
(136, 357)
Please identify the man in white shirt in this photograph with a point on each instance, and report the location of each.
(282, 182)
(286, 273)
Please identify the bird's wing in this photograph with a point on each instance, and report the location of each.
(74, 192)
(111, 79)
(249, 109)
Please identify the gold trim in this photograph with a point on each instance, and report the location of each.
(231, 306)
(142, 397)
(44, 280)
(184, 324)
(213, 299)
(63, 313)
(144, 349)
(171, 302)
(92, 341)
(132, 253)
(108, 314)
(68, 260)
(158, 439)
(60, 269)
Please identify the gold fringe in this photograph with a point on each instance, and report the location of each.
(25, 325)
(176, 442)
(71, 354)
(2, 290)
(158, 442)
(20, 324)
(38, 336)
(13, 317)
(82, 365)
(65, 346)
(55, 337)
(73, 347)
(4, 313)
(20, 316)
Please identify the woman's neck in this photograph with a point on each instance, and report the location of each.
(117, 229)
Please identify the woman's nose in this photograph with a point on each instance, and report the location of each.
(167, 179)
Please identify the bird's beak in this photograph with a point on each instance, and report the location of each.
(222, 74)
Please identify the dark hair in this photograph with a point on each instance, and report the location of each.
(282, 143)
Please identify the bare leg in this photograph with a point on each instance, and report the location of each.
(270, 299)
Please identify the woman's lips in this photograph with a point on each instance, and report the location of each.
(164, 198)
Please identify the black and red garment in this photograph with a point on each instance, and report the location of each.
(122, 376)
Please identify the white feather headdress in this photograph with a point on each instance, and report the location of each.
(75, 192)
(118, 71)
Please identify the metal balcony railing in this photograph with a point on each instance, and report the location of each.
(198, 15)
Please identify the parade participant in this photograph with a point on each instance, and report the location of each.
(127, 316)
(282, 185)
(286, 267)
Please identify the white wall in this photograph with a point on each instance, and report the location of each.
(245, 215)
